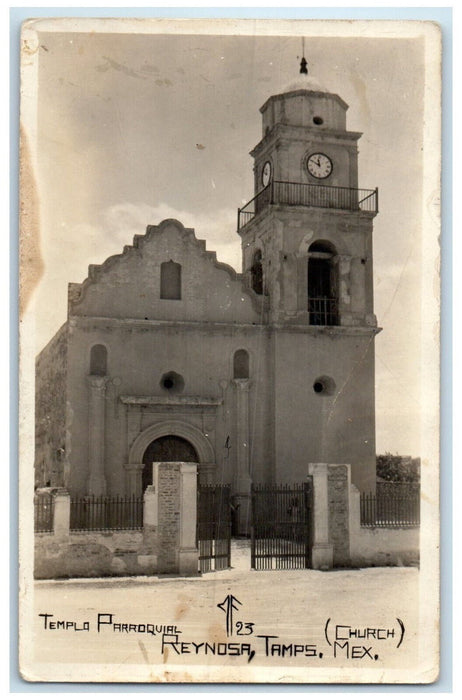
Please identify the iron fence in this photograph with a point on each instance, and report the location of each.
(281, 526)
(305, 194)
(214, 527)
(43, 512)
(106, 513)
(393, 505)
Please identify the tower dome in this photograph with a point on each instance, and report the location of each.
(304, 102)
(304, 82)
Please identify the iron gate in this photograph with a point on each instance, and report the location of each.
(214, 527)
(281, 526)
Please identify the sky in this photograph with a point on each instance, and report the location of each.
(135, 128)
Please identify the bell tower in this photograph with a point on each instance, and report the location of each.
(308, 214)
(307, 253)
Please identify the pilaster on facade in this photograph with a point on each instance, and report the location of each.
(243, 480)
(207, 472)
(133, 478)
(96, 434)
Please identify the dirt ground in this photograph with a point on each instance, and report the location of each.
(279, 626)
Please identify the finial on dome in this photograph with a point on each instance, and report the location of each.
(303, 63)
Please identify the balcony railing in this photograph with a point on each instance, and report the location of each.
(304, 194)
(323, 311)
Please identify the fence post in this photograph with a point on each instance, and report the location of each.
(355, 522)
(323, 551)
(62, 514)
(188, 554)
(148, 553)
(150, 509)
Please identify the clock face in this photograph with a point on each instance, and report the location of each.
(266, 174)
(319, 165)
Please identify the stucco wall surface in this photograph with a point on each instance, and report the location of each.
(89, 554)
(380, 546)
(336, 426)
(139, 355)
(385, 547)
(50, 410)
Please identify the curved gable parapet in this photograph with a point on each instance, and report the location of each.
(190, 234)
(128, 285)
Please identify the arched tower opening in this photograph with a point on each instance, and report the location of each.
(322, 284)
(256, 272)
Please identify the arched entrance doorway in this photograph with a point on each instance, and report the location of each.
(168, 448)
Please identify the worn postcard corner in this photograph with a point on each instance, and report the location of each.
(229, 351)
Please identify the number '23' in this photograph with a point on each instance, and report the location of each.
(244, 628)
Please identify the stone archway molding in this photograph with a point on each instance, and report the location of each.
(189, 432)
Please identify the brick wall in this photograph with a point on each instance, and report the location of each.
(338, 499)
(169, 517)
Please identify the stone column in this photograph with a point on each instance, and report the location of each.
(96, 416)
(61, 514)
(188, 559)
(133, 479)
(323, 551)
(243, 479)
(207, 472)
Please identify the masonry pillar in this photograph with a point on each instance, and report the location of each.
(61, 514)
(151, 500)
(339, 481)
(96, 416)
(188, 559)
(243, 480)
(322, 551)
(147, 554)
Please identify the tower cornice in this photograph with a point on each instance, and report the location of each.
(281, 132)
(311, 93)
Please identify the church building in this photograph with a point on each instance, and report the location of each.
(169, 355)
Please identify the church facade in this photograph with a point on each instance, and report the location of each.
(169, 355)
